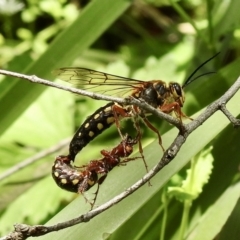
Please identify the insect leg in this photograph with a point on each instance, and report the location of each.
(174, 107)
(99, 182)
(90, 179)
(139, 137)
(149, 125)
(119, 112)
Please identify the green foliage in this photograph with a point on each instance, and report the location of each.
(151, 40)
(197, 176)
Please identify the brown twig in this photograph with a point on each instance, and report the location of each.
(127, 101)
(23, 231)
(232, 119)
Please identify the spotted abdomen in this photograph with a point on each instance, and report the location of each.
(67, 177)
(94, 125)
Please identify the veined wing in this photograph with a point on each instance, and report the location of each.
(99, 82)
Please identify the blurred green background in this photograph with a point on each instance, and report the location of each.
(151, 39)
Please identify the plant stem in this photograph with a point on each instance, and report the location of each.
(186, 208)
(165, 213)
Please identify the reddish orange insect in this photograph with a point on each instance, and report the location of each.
(168, 98)
(81, 179)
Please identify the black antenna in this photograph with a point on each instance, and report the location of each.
(189, 80)
(201, 76)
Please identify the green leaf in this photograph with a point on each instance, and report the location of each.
(17, 213)
(120, 179)
(63, 50)
(197, 176)
(220, 211)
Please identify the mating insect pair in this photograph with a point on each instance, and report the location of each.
(168, 98)
(81, 179)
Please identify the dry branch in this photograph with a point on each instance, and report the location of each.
(23, 231)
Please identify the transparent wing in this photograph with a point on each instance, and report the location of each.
(99, 82)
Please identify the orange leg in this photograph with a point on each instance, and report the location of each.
(139, 136)
(174, 107)
(100, 181)
(123, 162)
(149, 125)
(82, 190)
(118, 112)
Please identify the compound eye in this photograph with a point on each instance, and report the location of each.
(176, 89)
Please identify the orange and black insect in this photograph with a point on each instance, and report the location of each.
(94, 125)
(81, 179)
(168, 98)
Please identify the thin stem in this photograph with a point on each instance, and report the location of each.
(232, 119)
(184, 222)
(24, 231)
(127, 101)
(148, 224)
(165, 214)
(34, 158)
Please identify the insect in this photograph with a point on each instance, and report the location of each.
(81, 179)
(95, 124)
(168, 98)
